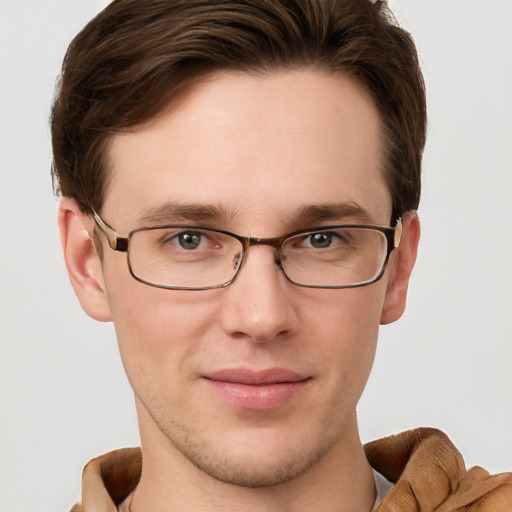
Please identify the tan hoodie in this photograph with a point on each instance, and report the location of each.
(429, 472)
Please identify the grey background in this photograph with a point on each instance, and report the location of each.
(63, 395)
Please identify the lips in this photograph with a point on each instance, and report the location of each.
(257, 390)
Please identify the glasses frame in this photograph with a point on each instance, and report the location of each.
(122, 244)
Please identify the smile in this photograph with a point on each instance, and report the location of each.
(256, 390)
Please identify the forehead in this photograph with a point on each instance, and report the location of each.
(258, 146)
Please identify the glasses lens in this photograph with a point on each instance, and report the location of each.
(184, 257)
(335, 257)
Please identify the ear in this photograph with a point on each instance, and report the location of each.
(402, 264)
(82, 260)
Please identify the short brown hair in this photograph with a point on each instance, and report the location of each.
(125, 65)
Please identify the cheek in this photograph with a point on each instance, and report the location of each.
(343, 333)
(157, 330)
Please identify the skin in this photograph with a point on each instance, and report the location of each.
(262, 147)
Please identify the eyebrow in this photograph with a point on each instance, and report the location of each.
(332, 212)
(172, 212)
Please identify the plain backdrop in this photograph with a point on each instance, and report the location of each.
(64, 397)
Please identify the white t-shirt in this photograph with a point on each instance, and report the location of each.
(383, 487)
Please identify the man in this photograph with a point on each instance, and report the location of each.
(257, 165)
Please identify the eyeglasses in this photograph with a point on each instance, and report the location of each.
(181, 257)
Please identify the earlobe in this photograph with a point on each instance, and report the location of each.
(82, 261)
(404, 259)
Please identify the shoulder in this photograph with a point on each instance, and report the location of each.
(483, 491)
(107, 480)
(430, 474)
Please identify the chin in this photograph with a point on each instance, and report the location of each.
(256, 470)
(257, 459)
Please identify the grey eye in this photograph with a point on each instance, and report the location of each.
(320, 240)
(190, 240)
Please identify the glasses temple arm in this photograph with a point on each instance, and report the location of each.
(114, 241)
(398, 231)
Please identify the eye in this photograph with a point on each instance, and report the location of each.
(189, 240)
(322, 240)
(185, 241)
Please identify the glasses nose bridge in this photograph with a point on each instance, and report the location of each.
(276, 243)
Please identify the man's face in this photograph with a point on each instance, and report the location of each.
(256, 151)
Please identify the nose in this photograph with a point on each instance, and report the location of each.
(259, 304)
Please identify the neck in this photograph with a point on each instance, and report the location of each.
(340, 481)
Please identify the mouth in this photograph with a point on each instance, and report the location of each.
(257, 390)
